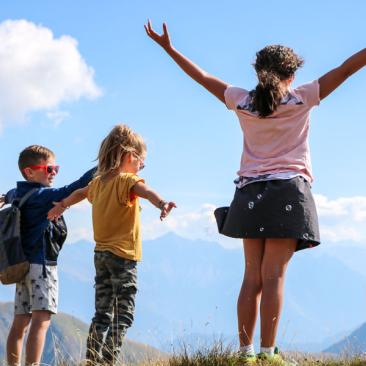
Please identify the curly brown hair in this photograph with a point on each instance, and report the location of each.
(273, 64)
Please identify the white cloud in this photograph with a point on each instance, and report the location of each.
(341, 219)
(340, 233)
(77, 233)
(84, 206)
(57, 117)
(39, 71)
(197, 224)
(79, 222)
(350, 207)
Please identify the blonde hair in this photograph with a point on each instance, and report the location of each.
(119, 142)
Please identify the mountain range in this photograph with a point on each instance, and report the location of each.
(188, 291)
(355, 343)
(66, 340)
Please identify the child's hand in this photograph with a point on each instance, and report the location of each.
(2, 200)
(56, 211)
(166, 209)
(163, 40)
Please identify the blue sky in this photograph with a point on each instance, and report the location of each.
(194, 143)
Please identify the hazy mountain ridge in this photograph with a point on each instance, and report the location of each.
(355, 343)
(190, 287)
(66, 340)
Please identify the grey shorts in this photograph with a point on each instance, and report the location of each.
(37, 292)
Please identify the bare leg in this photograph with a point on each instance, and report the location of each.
(277, 254)
(16, 335)
(250, 292)
(41, 320)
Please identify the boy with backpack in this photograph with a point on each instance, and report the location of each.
(36, 294)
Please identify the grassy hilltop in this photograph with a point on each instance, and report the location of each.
(218, 355)
(65, 346)
(225, 358)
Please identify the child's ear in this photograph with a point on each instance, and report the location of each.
(27, 172)
(290, 79)
(127, 158)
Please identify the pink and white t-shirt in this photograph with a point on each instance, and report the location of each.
(277, 143)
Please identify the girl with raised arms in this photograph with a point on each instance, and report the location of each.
(273, 209)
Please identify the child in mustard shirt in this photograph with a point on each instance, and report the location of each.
(114, 193)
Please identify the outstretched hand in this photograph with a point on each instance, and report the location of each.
(163, 40)
(56, 211)
(166, 209)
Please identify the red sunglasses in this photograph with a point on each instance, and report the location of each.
(49, 169)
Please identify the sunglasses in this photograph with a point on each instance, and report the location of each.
(49, 169)
(138, 157)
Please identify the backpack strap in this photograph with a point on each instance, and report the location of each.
(25, 197)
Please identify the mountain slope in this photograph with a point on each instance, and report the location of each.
(353, 344)
(66, 340)
(190, 287)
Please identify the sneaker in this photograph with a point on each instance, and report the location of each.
(247, 359)
(276, 358)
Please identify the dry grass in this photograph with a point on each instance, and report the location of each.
(223, 356)
(234, 361)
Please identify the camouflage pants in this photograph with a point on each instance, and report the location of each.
(115, 290)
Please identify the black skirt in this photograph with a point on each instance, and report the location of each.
(282, 208)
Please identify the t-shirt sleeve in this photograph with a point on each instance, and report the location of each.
(90, 195)
(125, 184)
(309, 93)
(233, 96)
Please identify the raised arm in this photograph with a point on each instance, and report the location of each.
(74, 198)
(214, 85)
(331, 80)
(142, 190)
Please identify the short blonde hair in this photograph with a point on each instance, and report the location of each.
(32, 155)
(119, 142)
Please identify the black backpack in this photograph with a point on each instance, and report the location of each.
(13, 263)
(54, 238)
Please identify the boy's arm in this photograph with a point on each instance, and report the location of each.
(331, 80)
(214, 85)
(57, 194)
(60, 207)
(144, 191)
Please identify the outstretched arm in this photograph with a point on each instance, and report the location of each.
(59, 207)
(144, 191)
(331, 80)
(214, 85)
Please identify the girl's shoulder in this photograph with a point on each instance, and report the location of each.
(235, 96)
(308, 93)
(127, 176)
(128, 179)
(94, 181)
